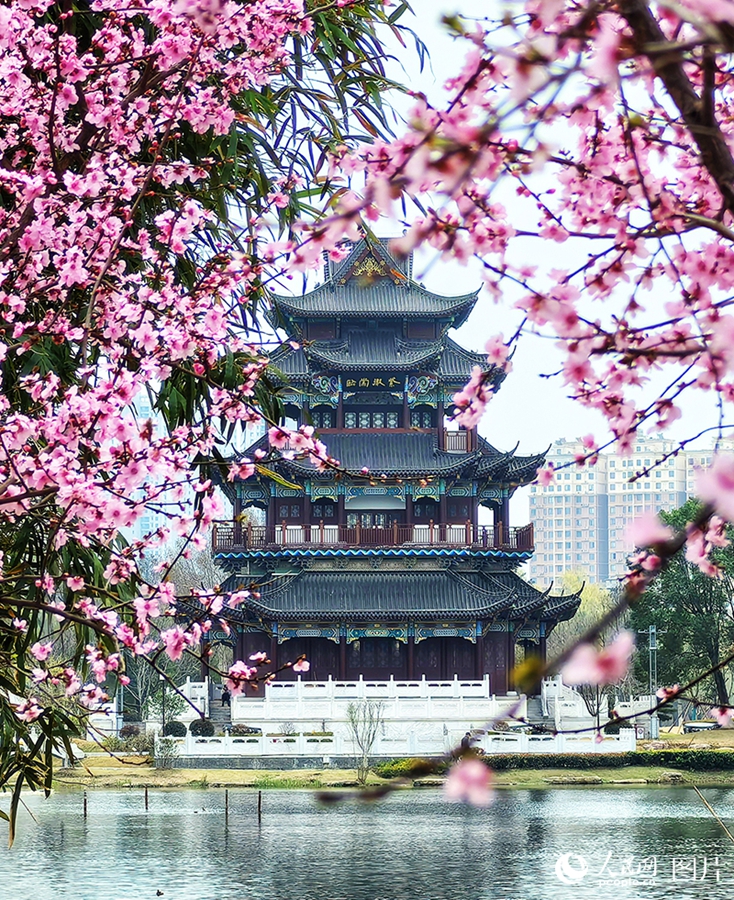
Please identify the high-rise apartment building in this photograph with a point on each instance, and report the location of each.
(580, 520)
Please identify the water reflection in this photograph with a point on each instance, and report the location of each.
(625, 844)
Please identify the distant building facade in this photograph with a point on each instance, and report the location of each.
(580, 520)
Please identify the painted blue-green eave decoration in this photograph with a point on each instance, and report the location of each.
(361, 552)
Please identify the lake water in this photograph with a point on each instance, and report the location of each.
(585, 843)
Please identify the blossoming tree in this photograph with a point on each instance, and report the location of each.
(602, 129)
(129, 136)
(143, 149)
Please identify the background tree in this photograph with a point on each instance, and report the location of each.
(364, 719)
(596, 602)
(694, 616)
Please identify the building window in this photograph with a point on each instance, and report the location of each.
(350, 420)
(378, 420)
(323, 418)
(365, 420)
(421, 418)
(392, 420)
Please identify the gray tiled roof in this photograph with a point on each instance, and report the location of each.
(380, 298)
(361, 596)
(399, 453)
(373, 350)
(382, 350)
(393, 295)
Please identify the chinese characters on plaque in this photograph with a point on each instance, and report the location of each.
(373, 382)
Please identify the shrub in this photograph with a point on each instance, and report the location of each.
(202, 728)
(129, 731)
(143, 743)
(690, 760)
(167, 750)
(244, 730)
(174, 729)
(409, 768)
(113, 744)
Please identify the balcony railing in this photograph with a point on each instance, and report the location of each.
(456, 441)
(229, 536)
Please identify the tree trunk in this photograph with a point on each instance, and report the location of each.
(721, 692)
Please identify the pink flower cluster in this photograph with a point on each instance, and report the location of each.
(588, 665)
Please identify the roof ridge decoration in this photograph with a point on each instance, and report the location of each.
(370, 259)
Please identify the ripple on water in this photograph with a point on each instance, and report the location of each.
(413, 846)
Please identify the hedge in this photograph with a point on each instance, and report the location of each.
(691, 760)
(202, 728)
(174, 729)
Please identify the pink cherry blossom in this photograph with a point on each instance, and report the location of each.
(723, 715)
(259, 657)
(42, 651)
(587, 665)
(546, 475)
(29, 710)
(301, 665)
(239, 676)
(647, 530)
(469, 781)
(175, 640)
(715, 485)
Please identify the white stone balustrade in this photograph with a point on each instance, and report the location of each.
(411, 744)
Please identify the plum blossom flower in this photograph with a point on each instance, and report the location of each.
(469, 781)
(715, 485)
(647, 530)
(668, 693)
(587, 665)
(722, 714)
(175, 640)
(42, 651)
(301, 665)
(75, 583)
(546, 475)
(29, 710)
(278, 437)
(259, 657)
(239, 675)
(20, 624)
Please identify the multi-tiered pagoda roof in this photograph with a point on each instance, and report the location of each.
(400, 554)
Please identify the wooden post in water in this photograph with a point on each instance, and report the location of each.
(259, 807)
(146, 797)
(85, 804)
(226, 805)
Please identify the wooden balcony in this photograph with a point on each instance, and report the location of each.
(456, 441)
(229, 536)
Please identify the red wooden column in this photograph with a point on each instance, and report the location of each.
(274, 652)
(479, 655)
(270, 523)
(411, 657)
(237, 520)
(342, 657)
(306, 523)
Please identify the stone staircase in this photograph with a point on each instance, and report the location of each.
(220, 715)
(535, 714)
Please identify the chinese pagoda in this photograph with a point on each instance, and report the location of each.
(390, 574)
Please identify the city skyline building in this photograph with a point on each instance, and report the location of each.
(580, 520)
